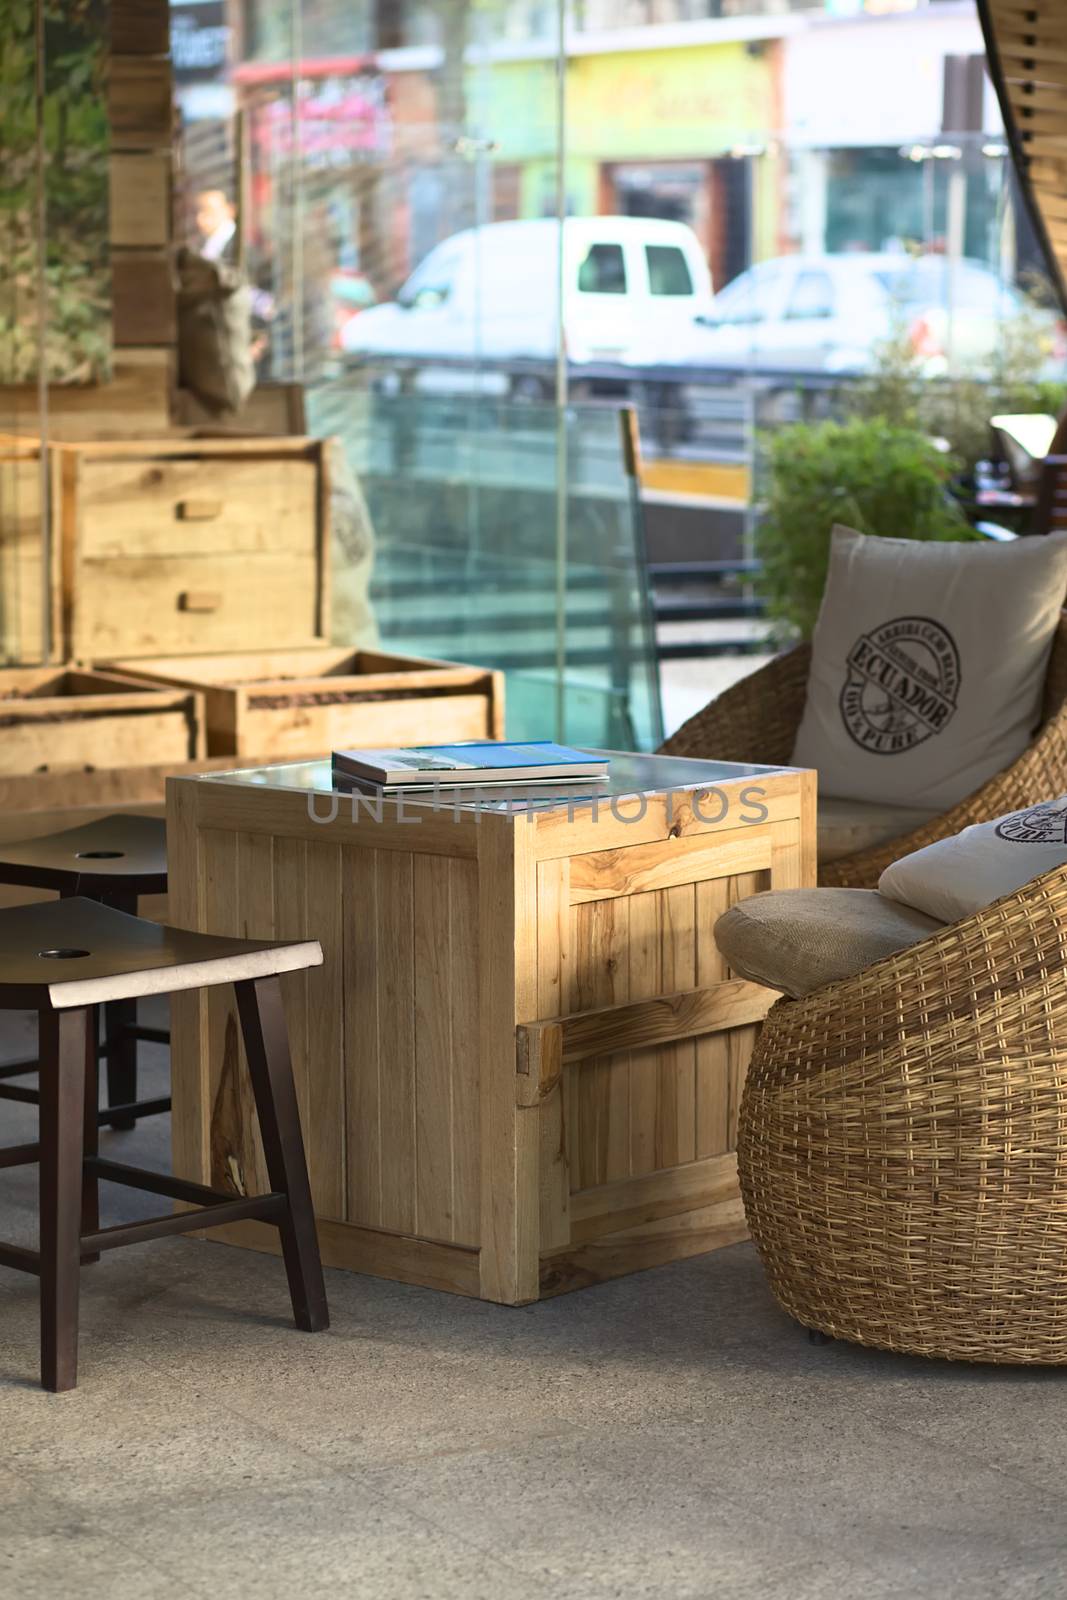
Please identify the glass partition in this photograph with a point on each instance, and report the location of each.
(475, 233)
(462, 494)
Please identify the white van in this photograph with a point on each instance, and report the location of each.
(632, 289)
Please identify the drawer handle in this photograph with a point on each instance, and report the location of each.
(199, 600)
(199, 510)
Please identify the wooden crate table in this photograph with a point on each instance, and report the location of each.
(520, 1064)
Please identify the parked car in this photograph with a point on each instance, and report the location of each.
(828, 313)
(632, 290)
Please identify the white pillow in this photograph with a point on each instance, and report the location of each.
(956, 877)
(928, 664)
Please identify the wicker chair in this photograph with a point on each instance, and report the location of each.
(757, 720)
(903, 1142)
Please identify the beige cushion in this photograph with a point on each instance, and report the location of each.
(846, 826)
(956, 877)
(798, 940)
(927, 664)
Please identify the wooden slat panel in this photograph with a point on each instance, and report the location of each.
(362, 1042)
(143, 301)
(295, 729)
(554, 959)
(139, 103)
(255, 893)
(434, 1217)
(663, 818)
(396, 1036)
(646, 980)
(289, 877)
(631, 1204)
(325, 1031)
(135, 401)
(232, 1148)
(190, 1061)
(280, 812)
(601, 978)
(140, 200)
(140, 27)
(662, 1019)
(603, 874)
(671, 1238)
(450, 1267)
(712, 1109)
(676, 1075)
(507, 995)
(466, 1110)
(21, 535)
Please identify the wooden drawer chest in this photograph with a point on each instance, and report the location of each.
(176, 546)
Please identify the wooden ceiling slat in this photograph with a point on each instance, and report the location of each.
(1026, 47)
(1044, 99)
(1055, 207)
(1049, 81)
(1031, 39)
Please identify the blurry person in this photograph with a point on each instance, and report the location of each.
(215, 220)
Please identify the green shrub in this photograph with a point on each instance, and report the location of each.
(959, 408)
(870, 476)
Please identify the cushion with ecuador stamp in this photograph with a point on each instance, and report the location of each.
(956, 877)
(928, 664)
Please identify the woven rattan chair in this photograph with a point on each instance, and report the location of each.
(757, 720)
(903, 1142)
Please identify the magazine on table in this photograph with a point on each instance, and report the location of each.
(476, 763)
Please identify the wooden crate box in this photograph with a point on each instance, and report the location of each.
(178, 546)
(520, 1064)
(63, 719)
(307, 702)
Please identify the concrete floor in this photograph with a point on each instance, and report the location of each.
(669, 1435)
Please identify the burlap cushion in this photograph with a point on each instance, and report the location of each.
(798, 940)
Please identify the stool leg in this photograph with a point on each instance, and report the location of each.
(63, 1049)
(90, 1221)
(119, 1017)
(266, 1040)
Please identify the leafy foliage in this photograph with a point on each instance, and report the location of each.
(67, 153)
(958, 409)
(866, 473)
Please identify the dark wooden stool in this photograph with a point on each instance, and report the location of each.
(114, 860)
(62, 958)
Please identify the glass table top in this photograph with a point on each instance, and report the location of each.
(629, 774)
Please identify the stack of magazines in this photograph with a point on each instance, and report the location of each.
(478, 764)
